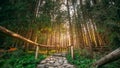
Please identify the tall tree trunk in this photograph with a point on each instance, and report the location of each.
(70, 28)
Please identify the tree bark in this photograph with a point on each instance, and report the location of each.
(70, 28)
(15, 35)
(115, 55)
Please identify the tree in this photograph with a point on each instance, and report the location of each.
(115, 55)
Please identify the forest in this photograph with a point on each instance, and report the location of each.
(59, 33)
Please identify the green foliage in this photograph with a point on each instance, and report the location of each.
(2, 37)
(43, 21)
(9, 41)
(107, 15)
(14, 13)
(48, 6)
(80, 61)
(19, 59)
(115, 64)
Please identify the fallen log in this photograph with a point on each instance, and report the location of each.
(15, 35)
(114, 55)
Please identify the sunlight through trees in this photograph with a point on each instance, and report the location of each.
(60, 26)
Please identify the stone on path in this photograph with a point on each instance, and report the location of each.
(55, 61)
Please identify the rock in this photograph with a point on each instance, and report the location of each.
(63, 54)
(60, 67)
(50, 67)
(41, 66)
(51, 62)
(55, 61)
(47, 64)
(56, 64)
(69, 66)
(60, 61)
(64, 58)
(42, 62)
(57, 54)
(65, 61)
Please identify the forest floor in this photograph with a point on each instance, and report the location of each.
(55, 61)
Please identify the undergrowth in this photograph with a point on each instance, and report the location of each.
(80, 61)
(115, 64)
(83, 61)
(19, 59)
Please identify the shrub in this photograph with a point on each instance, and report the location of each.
(19, 59)
(79, 60)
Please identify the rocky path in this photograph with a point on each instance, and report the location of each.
(55, 61)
